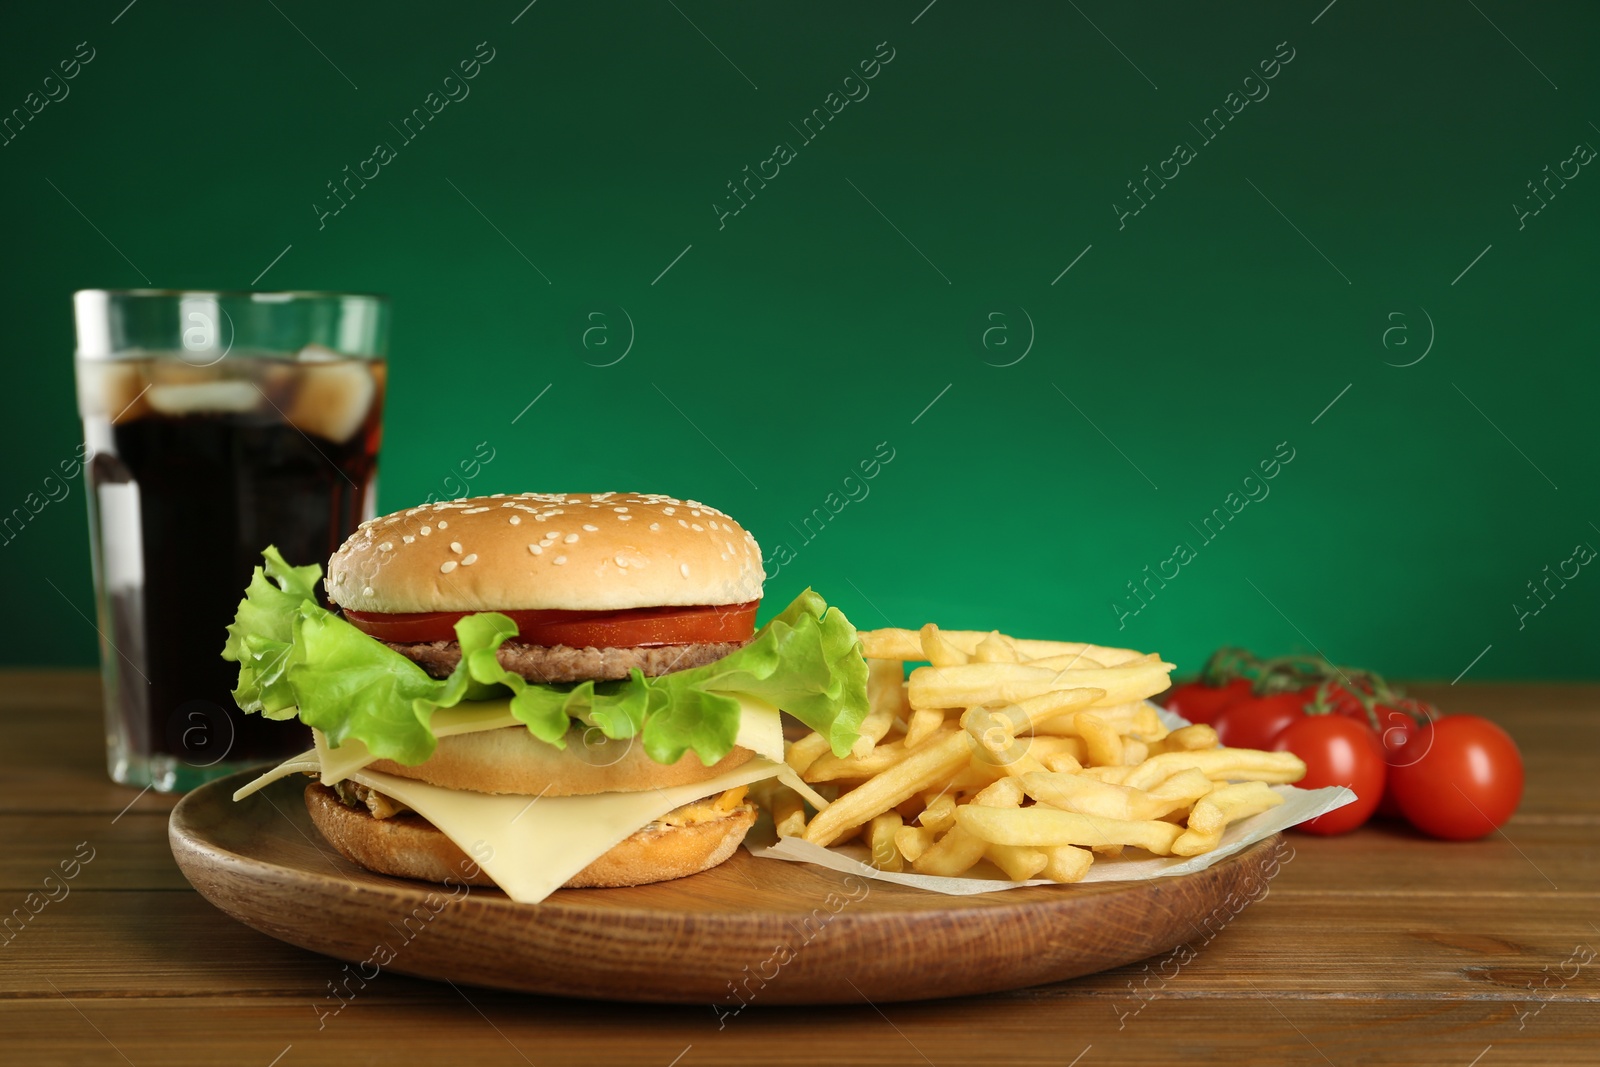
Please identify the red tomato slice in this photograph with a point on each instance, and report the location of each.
(577, 629)
(1199, 702)
(1337, 751)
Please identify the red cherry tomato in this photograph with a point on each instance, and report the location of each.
(1398, 733)
(1199, 702)
(1466, 782)
(1337, 751)
(1255, 723)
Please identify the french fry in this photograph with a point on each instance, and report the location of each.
(940, 814)
(977, 774)
(801, 754)
(1188, 785)
(880, 840)
(913, 841)
(831, 768)
(996, 648)
(1063, 762)
(1220, 764)
(953, 854)
(788, 811)
(978, 683)
(906, 645)
(1134, 751)
(923, 724)
(1004, 793)
(1020, 864)
(1119, 717)
(1110, 852)
(1100, 739)
(924, 767)
(1186, 739)
(886, 700)
(1072, 792)
(939, 652)
(1066, 863)
(1213, 812)
(1079, 661)
(995, 729)
(1038, 826)
(1147, 725)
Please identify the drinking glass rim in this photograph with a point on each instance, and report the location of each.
(265, 296)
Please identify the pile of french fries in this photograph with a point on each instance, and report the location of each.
(1037, 756)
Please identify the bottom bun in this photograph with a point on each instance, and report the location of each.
(408, 846)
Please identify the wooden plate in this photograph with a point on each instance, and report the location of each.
(760, 931)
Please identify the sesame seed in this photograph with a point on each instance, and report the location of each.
(726, 556)
(695, 512)
(408, 539)
(474, 511)
(684, 523)
(621, 562)
(559, 560)
(516, 520)
(387, 546)
(569, 539)
(455, 546)
(367, 591)
(697, 528)
(473, 558)
(669, 511)
(425, 531)
(655, 526)
(496, 496)
(443, 524)
(447, 566)
(683, 569)
(536, 549)
(624, 518)
(624, 510)
(591, 529)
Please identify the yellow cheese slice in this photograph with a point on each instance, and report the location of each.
(760, 731)
(306, 763)
(531, 845)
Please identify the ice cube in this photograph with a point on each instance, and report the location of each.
(333, 400)
(318, 354)
(228, 396)
(108, 390)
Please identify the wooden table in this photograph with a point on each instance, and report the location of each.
(1377, 947)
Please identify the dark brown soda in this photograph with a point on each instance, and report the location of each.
(214, 490)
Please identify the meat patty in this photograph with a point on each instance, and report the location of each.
(561, 663)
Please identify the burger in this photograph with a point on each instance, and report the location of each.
(541, 690)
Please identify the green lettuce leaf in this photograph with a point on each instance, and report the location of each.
(295, 657)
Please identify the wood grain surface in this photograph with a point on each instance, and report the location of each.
(1378, 947)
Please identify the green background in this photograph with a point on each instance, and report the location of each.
(782, 348)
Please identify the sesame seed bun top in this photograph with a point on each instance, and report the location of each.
(534, 551)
